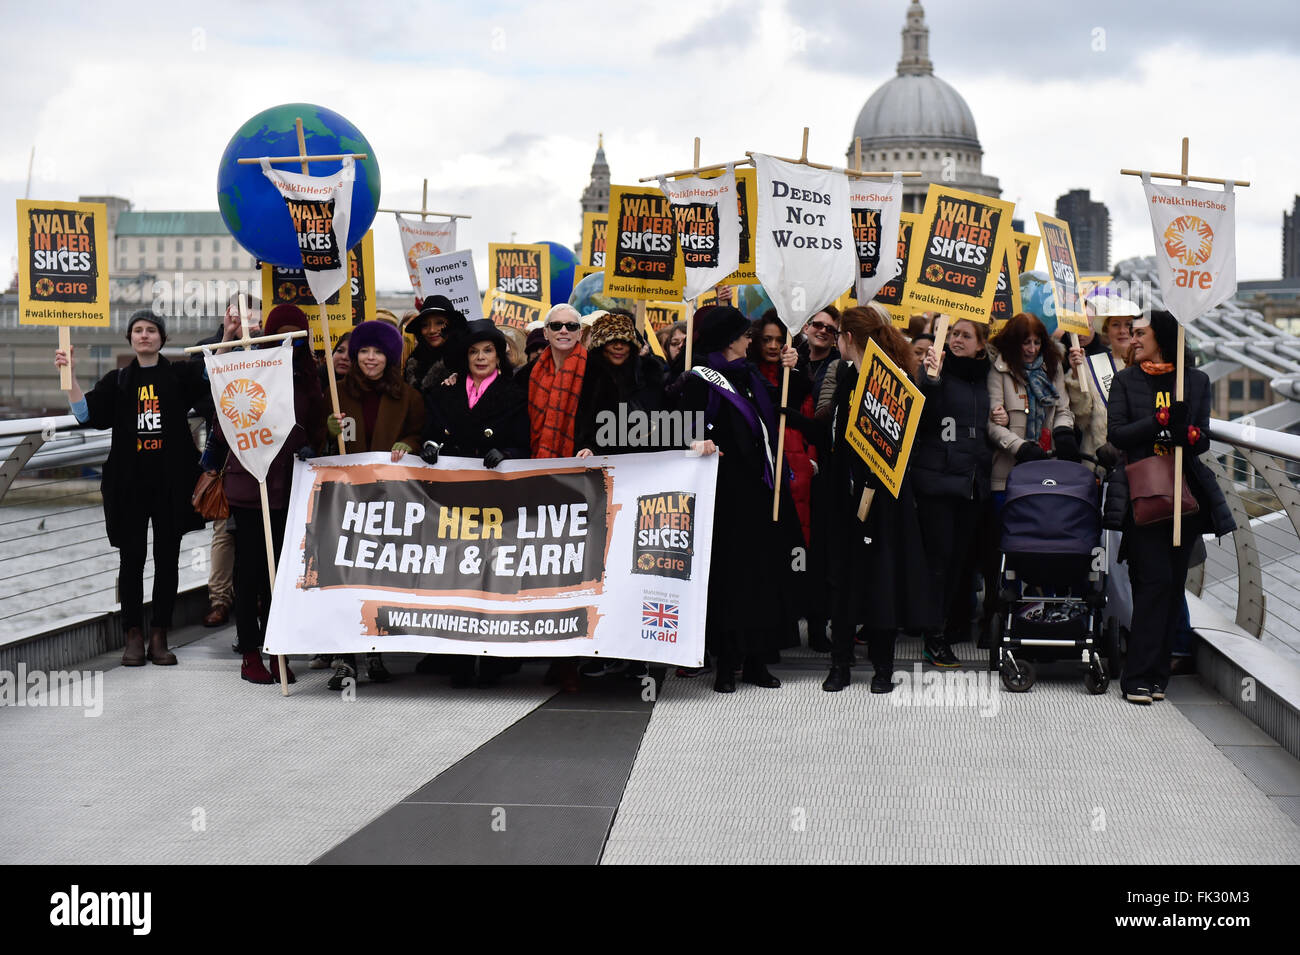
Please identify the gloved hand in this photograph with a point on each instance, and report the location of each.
(333, 427)
(1030, 451)
(400, 448)
(429, 451)
(494, 457)
(1108, 456)
(1179, 417)
(1066, 445)
(306, 452)
(1187, 437)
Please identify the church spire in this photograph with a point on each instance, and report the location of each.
(916, 43)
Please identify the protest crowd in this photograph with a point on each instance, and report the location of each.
(433, 384)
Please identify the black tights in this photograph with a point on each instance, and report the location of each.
(152, 505)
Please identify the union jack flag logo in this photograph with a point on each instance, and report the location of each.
(661, 616)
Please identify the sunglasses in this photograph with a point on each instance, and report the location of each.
(567, 326)
(824, 327)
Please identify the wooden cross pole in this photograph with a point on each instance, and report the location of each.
(245, 341)
(424, 211)
(690, 306)
(1180, 371)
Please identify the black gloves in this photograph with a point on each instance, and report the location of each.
(429, 451)
(1179, 417)
(1030, 451)
(305, 452)
(494, 457)
(1108, 456)
(1067, 446)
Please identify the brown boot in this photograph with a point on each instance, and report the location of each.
(158, 651)
(133, 652)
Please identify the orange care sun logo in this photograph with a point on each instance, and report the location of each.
(418, 251)
(1189, 240)
(243, 402)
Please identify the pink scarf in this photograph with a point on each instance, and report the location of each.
(474, 392)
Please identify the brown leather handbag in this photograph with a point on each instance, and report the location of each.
(209, 497)
(1151, 490)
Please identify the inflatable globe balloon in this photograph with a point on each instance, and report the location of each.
(589, 296)
(254, 211)
(1036, 298)
(563, 265)
(752, 300)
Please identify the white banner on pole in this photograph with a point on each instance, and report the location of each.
(875, 208)
(253, 394)
(543, 558)
(707, 228)
(452, 274)
(1196, 246)
(804, 247)
(422, 239)
(321, 210)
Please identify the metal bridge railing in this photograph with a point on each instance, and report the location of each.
(55, 559)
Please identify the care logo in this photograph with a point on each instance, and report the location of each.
(664, 544)
(243, 402)
(418, 251)
(1189, 240)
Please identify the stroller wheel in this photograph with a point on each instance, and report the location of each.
(1017, 675)
(995, 642)
(1096, 679)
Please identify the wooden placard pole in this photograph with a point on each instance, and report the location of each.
(1180, 371)
(424, 211)
(65, 345)
(690, 306)
(940, 336)
(1081, 371)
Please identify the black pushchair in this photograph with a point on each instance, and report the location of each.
(1051, 594)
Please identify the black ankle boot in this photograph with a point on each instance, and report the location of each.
(757, 673)
(882, 682)
(837, 679)
(725, 679)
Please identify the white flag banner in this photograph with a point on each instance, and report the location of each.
(606, 556)
(875, 208)
(804, 250)
(253, 393)
(423, 239)
(321, 210)
(1196, 246)
(707, 228)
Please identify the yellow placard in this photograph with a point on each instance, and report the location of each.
(580, 272)
(643, 259)
(1064, 272)
(520, 269)
(959, 248)
(1093, 280)
(892, 293)
(1026, 251)
(706, 298)
(659, 314)
(62, 263)
(1006, 301)
(502, 308)
(594, 226)
(883, 417)
(361, 270)
(284, 286)
(747, 207)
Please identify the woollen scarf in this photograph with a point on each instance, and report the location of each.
(553, 403)
(1042, 398)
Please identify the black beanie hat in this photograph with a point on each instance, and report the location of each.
(717, 326)
(147, 315)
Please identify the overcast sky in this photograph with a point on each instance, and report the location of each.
(500, 106)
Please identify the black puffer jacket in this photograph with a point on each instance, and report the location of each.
(951, 456)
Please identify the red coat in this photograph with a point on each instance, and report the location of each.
(799, 454)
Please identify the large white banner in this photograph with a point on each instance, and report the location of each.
(804, 249)
(1196, 246)
(707, 228)
(421, 239)
(321, 209)
(253, 393)
(875, 208)
(600, 557)
(452, 274)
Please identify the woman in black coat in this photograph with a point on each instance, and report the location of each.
(620, 391)
(1145, 421)
(746, 620)
(951, 463)
(435, 331)
(149, 477)
(480, 412)
(879, 575)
